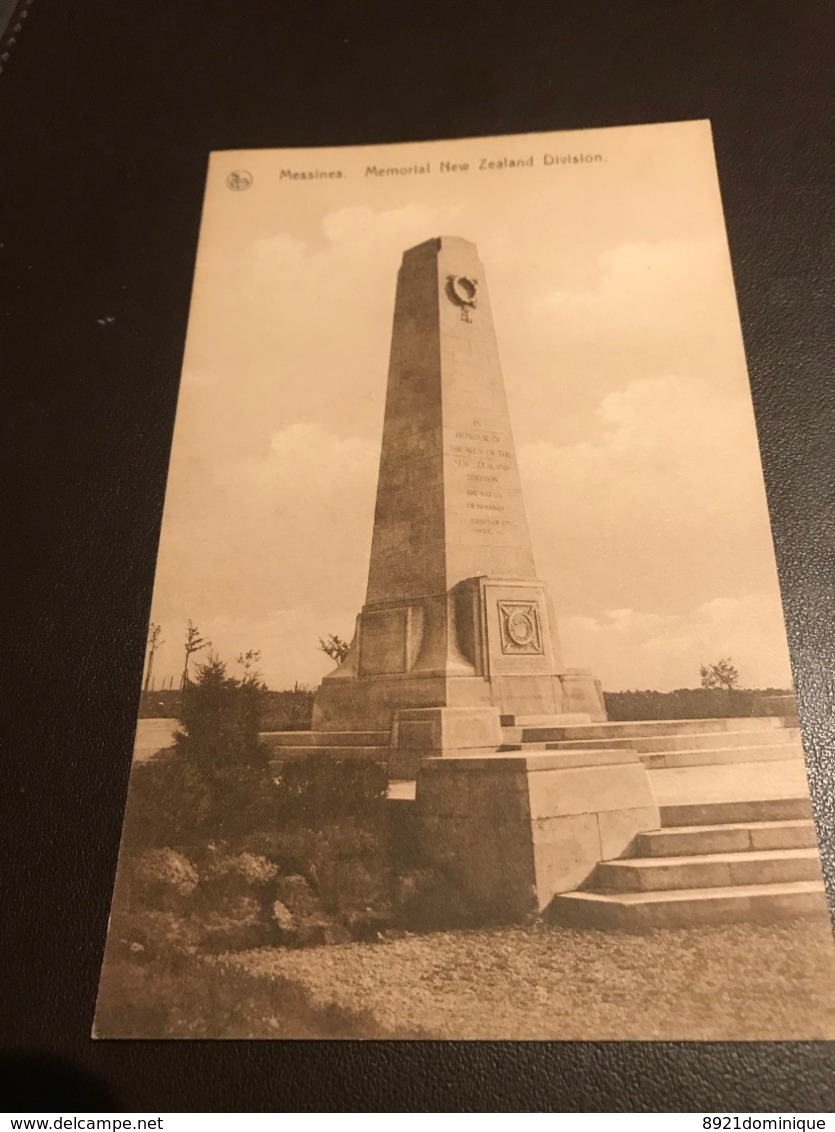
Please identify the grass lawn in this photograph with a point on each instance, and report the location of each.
(739, 981)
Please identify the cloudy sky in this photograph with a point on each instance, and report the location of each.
(613, 300)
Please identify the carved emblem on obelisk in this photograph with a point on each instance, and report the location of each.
(463, 291)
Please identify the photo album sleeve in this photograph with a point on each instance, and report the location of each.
(467, 710)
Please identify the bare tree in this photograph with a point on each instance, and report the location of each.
(251, 677)
(153, 644)
(194, 643)
(722, 674)
(335, 647)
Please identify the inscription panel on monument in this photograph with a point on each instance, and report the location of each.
(484, 476)
(485, 466)
(486, 526)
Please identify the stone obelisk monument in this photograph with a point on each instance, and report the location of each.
(457, 630)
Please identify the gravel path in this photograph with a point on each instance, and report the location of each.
(539, 982)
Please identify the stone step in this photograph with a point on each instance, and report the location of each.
(642, 911)
(691, 840)
(712, 870)
(666, 761)
(372, 754)
(644, 728)
(683, 741)
(733, 812)
(566, 719)
(721, 756)
(570, 756)
(325, 738)
(746, 738)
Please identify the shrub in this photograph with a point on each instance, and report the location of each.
(241, 870)
(161, 878)
(357, 893)
(298, 917)
(426, 900)
(220, 719)
(305, 851)
(149, 934)
(233, 923)
(298, 859)
(314, 791)
(233, 900)
(170, 802)
(243, 799)
(174, 802)
(297, 913)
(295, 893)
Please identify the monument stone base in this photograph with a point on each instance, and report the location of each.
(515, 830)
(581, 692)
(421, 733)
(485, 645)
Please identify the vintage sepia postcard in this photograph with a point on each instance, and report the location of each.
(467, 709)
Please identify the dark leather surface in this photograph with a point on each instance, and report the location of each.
(8, 8)
(107, 113)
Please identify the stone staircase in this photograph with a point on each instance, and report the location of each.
(661, 744)
(664, 744)
(372, 745)
(710, 862)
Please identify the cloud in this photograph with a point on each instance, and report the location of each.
(400, 227)
(663, 508)
(306, 466)
(298, 328)
(280, 540)
(630, 648)
(638, 309)
(642, 286)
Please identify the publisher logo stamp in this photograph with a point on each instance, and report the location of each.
(239, 179)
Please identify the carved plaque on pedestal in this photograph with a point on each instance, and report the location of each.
(520, 627)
